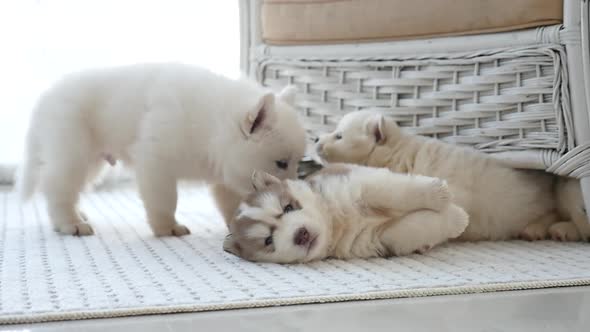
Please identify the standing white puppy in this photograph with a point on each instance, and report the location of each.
(168, 121)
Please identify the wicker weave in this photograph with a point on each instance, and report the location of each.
(498, 100)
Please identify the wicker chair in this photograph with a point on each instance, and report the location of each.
(521, 95)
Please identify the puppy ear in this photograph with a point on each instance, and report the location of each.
(376, 128)
(262, 180)
(259, 116)
(288, 94)
(231, 246)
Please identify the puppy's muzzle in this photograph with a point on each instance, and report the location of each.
(302, 237)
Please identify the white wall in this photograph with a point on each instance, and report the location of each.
(41, 40)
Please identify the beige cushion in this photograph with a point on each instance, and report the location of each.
(345, 21)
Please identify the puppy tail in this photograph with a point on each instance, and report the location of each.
(27, 175)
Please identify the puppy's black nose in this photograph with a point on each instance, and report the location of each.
(317, 139)
(302, 237)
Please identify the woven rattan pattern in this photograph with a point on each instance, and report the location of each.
(499, 100)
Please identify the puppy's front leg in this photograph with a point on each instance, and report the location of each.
(227, 201)
(158, 190)
(405, 193)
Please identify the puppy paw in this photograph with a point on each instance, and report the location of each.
(534, 232)
(176, 230)
(564, 231)
(424, 249)
(458, 220)
(438, 194)
(77, 229)
(180, 230)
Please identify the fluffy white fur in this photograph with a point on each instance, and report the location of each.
(502, 202)
(344, 211)
(167, 121)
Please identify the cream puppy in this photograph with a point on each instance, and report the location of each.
(167, 121)
(502, 203)
(343, 211)
(572, 211)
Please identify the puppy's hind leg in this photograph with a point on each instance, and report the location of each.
(539, 229)
(421, 230)
(565, 231)
(95, 169)
(62, 179)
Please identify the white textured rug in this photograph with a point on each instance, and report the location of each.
(125, 271)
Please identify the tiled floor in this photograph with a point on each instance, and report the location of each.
(558, 309)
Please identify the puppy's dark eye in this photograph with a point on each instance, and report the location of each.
(282, 164)
(268, 241)
(338, 136)
(288, 208)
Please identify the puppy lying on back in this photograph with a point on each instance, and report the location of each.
(343, 211)
(502, 202)
(169, 122)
